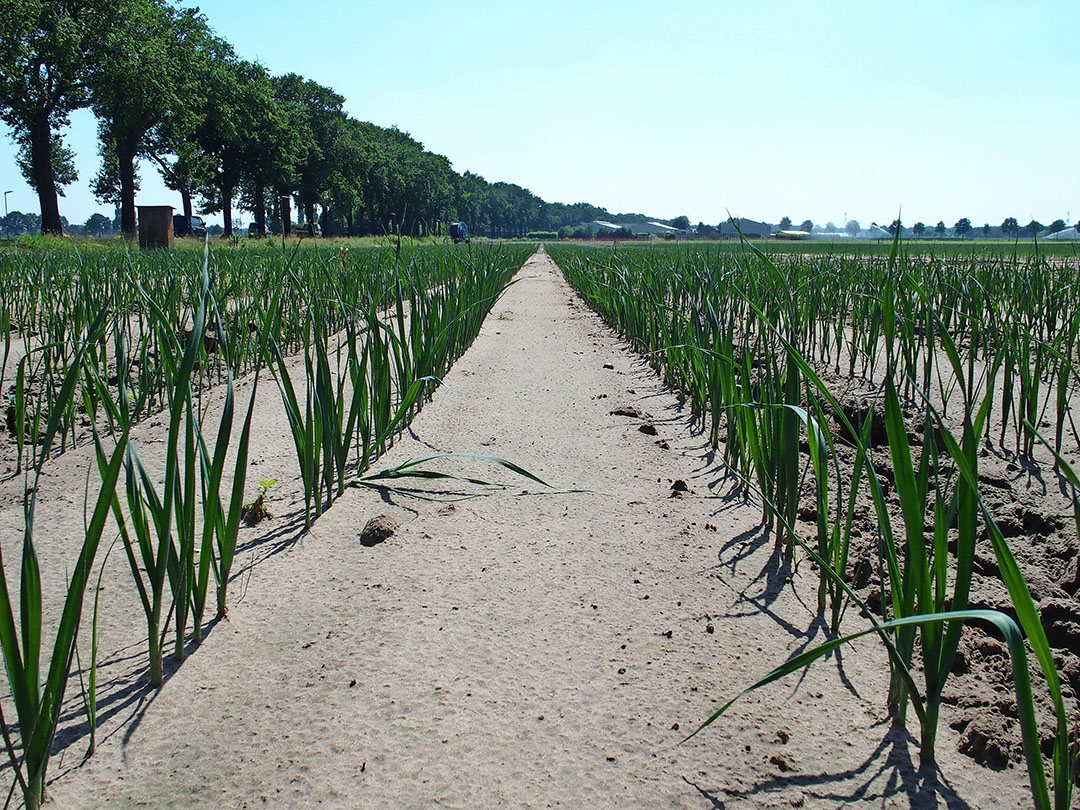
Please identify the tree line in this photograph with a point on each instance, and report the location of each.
(223, 132)
(1010, 228)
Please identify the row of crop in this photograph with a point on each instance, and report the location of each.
(50, 299)
(1018, 319)
(375, 334)
(750, 341)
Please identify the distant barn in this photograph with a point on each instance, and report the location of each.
(757, 230)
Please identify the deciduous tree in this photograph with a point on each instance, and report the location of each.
(43, 67)
(135, 81)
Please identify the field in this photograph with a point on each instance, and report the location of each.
(861, 461)
(1024, 248)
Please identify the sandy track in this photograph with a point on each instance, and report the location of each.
(525, 648)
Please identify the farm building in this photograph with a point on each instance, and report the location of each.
(598, 225)
(1069, 234)
(651, 228)
(748, 227)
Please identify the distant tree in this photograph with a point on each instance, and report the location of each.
(962, 226)
(43, 64)
(233, 135)
(681, 222)
(986, 229)
(940, 228)
(317, 118)
(134, 83)
(1034, 227)
(173, 145)
(852, 227)
(894, 226)
(1010, 227)
(1056, 226)
(785, 224)
(807, 226)
(98, 225)
(17, 223)
(919, 230)
(830, 226)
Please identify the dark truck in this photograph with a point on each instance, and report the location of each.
(183, 227)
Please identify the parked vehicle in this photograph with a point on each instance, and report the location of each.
(308, 229)
(183, 227)
(459, 232)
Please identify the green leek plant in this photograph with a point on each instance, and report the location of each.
(729, 348)
(37, 703)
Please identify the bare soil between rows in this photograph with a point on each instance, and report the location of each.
(528, 647)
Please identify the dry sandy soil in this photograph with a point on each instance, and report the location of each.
(524, 648)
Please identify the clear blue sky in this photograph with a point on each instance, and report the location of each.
(768, 109)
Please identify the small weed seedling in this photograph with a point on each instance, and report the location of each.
(256, 512)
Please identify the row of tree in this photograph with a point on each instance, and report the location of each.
(222, 131)
(97, 226)
(1010, 228)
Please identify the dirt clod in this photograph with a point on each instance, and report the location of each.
(984, 740)
(377, 530)
(782, 763)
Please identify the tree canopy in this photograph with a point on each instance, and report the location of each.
(167, 90)
(45, 54)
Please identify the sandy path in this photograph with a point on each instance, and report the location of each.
(524, 649)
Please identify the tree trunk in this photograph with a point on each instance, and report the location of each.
(286, 214)
(309, 215)
(126, 159)
(260, 209)
(44, 182)
(349, 224)
(226, 205)
(185, 196)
